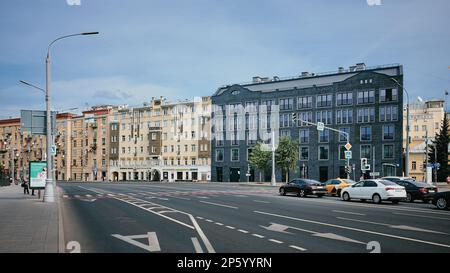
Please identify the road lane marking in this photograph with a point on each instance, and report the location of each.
(404, 227)
(182, 198)
(220, 205)
(230, 227)
(197, 246)
(208, 220)
(202, 197)
(202, 235)
(348, 212)
(199, 217)
(242, 230)
(260, 201)
(219, 224)
(76, 196)
(298, 248)
(153, 244)
(424, 216)
(275, 241)
(239, 195)
(257, 235)
(354, 229)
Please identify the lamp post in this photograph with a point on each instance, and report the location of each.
(407, 127)
(49, 195)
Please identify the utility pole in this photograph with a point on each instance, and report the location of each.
(373, 162)
(426, 155)
(274, 182)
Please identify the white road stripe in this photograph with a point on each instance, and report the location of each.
(257, 235)
(242, 230)
(202, 235)
(219, 224)
(355, 229)
(275, 241)
(431, 217)
(207, 220)
(230, 227)
(220, 205)
(298, 248)
(348, 212)
(76, 196)
(88, 195)
(197, 246)
(182, 198)
(203, 197)
(199, 217)
(260, 201)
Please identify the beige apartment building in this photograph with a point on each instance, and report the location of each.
(425, 121)
(164, 141)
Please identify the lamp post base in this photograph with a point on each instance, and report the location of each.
(49, 193)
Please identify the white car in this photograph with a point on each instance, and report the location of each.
(376, 190)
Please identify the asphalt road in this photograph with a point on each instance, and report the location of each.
(215, 217)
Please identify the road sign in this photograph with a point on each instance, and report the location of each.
(348, 146)
(53, 150)
(34, 122)
(320, 126)
(348, 154)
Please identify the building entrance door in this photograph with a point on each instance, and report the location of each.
(235, 175)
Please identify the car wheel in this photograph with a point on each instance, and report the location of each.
(282, 192)
(346, 196)
(376, 198)
(441, 203)
(395, 202)
(409, 198)
(338, 193)
(302, 193)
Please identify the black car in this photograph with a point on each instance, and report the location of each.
(303, 187)
(442, 200)
(417, 190)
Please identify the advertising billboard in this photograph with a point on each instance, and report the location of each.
(38, 174)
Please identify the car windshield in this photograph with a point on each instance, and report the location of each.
(349, 181)
(419, 184)
(309, 181)
(387, 183)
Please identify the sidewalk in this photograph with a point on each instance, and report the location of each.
(27, 225)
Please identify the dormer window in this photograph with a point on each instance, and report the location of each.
(235, 92)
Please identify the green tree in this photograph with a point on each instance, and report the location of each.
(287, 155)
(260, 159)
(440, 143)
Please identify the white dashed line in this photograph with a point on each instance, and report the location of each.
(201, 218)
(260, 201)
(230, 227)
(298, 248)
(243, 231)
(275, 241)
(220, 205)
(207, 220)
(257, 235)
(348, 212)
(219, 224)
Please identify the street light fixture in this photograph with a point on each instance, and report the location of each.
(407, 127)
(49, 194)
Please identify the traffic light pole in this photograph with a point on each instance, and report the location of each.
(347, 136)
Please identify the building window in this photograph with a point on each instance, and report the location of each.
(285, 120)
(366, 115)
(416, 128)
(388, 132)
(342, 150)
(388, 95)
(366, 151)
(424, 128)
(413, 165)
(304, 102)
(388, 113)
(193, 148)
(234, 154)
(323, 152)
(344, 98)
(324, 100)
(286, 104)
(366, 133)
(304, 116)
(304, 136)
(193, 161)
(324, 117)
(285, 133)
(343, 137)
(344, 116)
(388, 151)
(304, 153)
(219, 140)
(366, 97)
(324, 136)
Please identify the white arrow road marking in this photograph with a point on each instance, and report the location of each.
(153, 244)
(394, 226)
(197, 246)
(354, 229)
(283, 228)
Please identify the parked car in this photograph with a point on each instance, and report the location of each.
(398, 178)
(442, 200)
(303, 187)
(417, 190)
(335, 186)
(376, 190)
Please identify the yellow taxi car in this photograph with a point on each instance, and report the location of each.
(335, 186)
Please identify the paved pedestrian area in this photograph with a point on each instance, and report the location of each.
(26, 223)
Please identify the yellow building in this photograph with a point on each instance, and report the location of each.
(425, 121)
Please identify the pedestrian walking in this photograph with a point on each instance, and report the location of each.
(25, 187)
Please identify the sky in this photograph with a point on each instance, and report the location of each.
(185, 48)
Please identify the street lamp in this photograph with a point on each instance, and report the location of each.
(49, 194)
(407, 127)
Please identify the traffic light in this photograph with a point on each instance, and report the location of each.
(364, 165)
(294, 117)
(348, 169)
